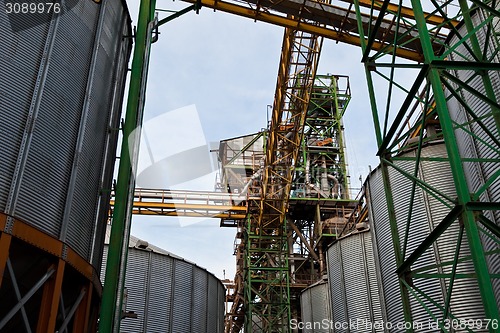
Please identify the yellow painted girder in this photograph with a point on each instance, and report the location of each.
(215, 215)
(146, 203)
(405, 11)
(283, 13)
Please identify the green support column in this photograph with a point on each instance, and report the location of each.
(122, 208)
(405, 299)
(463, 196)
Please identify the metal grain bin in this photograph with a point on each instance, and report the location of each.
(428, 212)
(62, 78)
(61, 89)
(354, 284)
(473, 140)
(169, 294)
(315, 309)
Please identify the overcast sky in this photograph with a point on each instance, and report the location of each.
(224, 68)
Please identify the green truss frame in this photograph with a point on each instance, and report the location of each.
(329, 99)
(432, 89)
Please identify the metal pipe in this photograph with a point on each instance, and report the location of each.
(335, 188)
(324, 175)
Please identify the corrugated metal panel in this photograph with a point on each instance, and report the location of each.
(221, 302)
(136, 282)
(169, 294)
(428, 213)
(116, 20)
(20, 58)
(200, 297)
(55, 137)
(478, 173)
(418, 231)
(160, 296)
(212, 306)
(55, 133)
(337, 283)
(320, 301)
(183, 293)
(306, 308)
(380, 227)
(353, 276)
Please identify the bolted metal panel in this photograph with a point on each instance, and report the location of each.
(123, 49)
(61, 84)
(137, 281)
(305, 308)
(353, 275)
(213, 311)
(221, 308)
(169, 294)
(337, 290)
(200, 296)
(315, 308)
(428, 212)
(476, 145)
(20, 57)
(382, 235)
(88, 175)
(46, 177)
(160, 298)
(183, 294)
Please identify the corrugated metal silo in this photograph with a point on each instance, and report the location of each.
(428, 212)
(354, 284)
(315, 309)
(61, 89)
(169, 294)
(472, 139)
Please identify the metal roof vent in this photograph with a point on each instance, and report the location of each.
(141, 244)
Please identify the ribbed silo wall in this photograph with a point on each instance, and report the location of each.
(169, 294)
(473, 141)
(427, 213)
(61, 89)
(315, 309)
(354, 284)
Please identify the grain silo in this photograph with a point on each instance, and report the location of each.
(168, 294)
(354, 284)
(478, 134)
(316, 314)
(62, 77)
(428, 210)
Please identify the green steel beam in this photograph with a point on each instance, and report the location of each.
(490, 225)
(463, 196)
(110, 314)
(196, 7)
(123, 209)
(434, 73)
(406, 104)
(453, 272)
(385, 174)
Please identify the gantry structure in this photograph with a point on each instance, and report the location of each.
(279, 248)
(395, 39)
